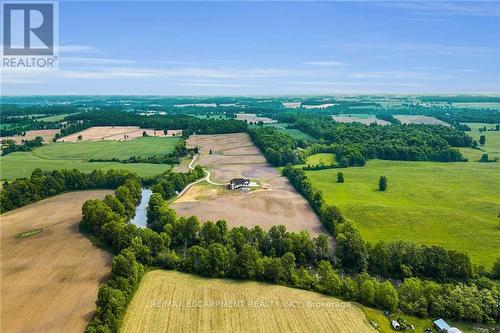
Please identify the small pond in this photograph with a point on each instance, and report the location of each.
(140, 219)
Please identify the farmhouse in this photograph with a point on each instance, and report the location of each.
(236, 183)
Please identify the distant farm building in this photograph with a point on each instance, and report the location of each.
(236, 183)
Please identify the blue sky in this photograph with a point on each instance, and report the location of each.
(271, 48)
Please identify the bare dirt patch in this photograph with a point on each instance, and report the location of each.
(235, 156)
(49, 280)
(253, 118)
(47, 135)
(118, 133)
(417, 119)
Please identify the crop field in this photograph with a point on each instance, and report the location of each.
(165, 299)
(420, 120)
(233, 156)
(143, 146)
(253, 118)
(119, 133)
(47, 135)
(478, 105)
(297, 134)
(50, 273)
(22, 164)
(454, 205)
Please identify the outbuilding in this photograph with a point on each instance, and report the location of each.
(441, 325)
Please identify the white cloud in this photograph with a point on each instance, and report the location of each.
(400, 75)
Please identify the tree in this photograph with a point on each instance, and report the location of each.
(367, 292)
(495, 272)
(475, 144)
(386, 296)
(185, 232)
(484, 158)
(340, 177)
(482, 140)
(382, 183)
(144, 133)
(328, 282)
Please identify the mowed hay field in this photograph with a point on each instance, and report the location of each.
(143, 146)
(49, 280)
(76, 155)
(233, 156)
(454, 205)
(22, 164)
(259, 307)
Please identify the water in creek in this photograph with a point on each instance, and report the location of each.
(140, 219)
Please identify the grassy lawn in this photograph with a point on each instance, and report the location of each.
(22, 164)
(150, 146)
(321, 158)
(384, 324)
(454, 205)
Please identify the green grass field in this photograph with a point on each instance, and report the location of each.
(454, 205)
(492, 146)
(76, 155)
(145, 147)
(297, 134)
(22, 164)
(321, 158)
(57, 117)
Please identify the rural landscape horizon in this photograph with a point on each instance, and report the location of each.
(250, 166)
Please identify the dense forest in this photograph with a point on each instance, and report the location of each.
(355, 143)
(278, 147)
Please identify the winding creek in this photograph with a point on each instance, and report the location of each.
(140, 219)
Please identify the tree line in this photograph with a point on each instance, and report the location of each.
(189, 125)
(10, 146)
(43, 184)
